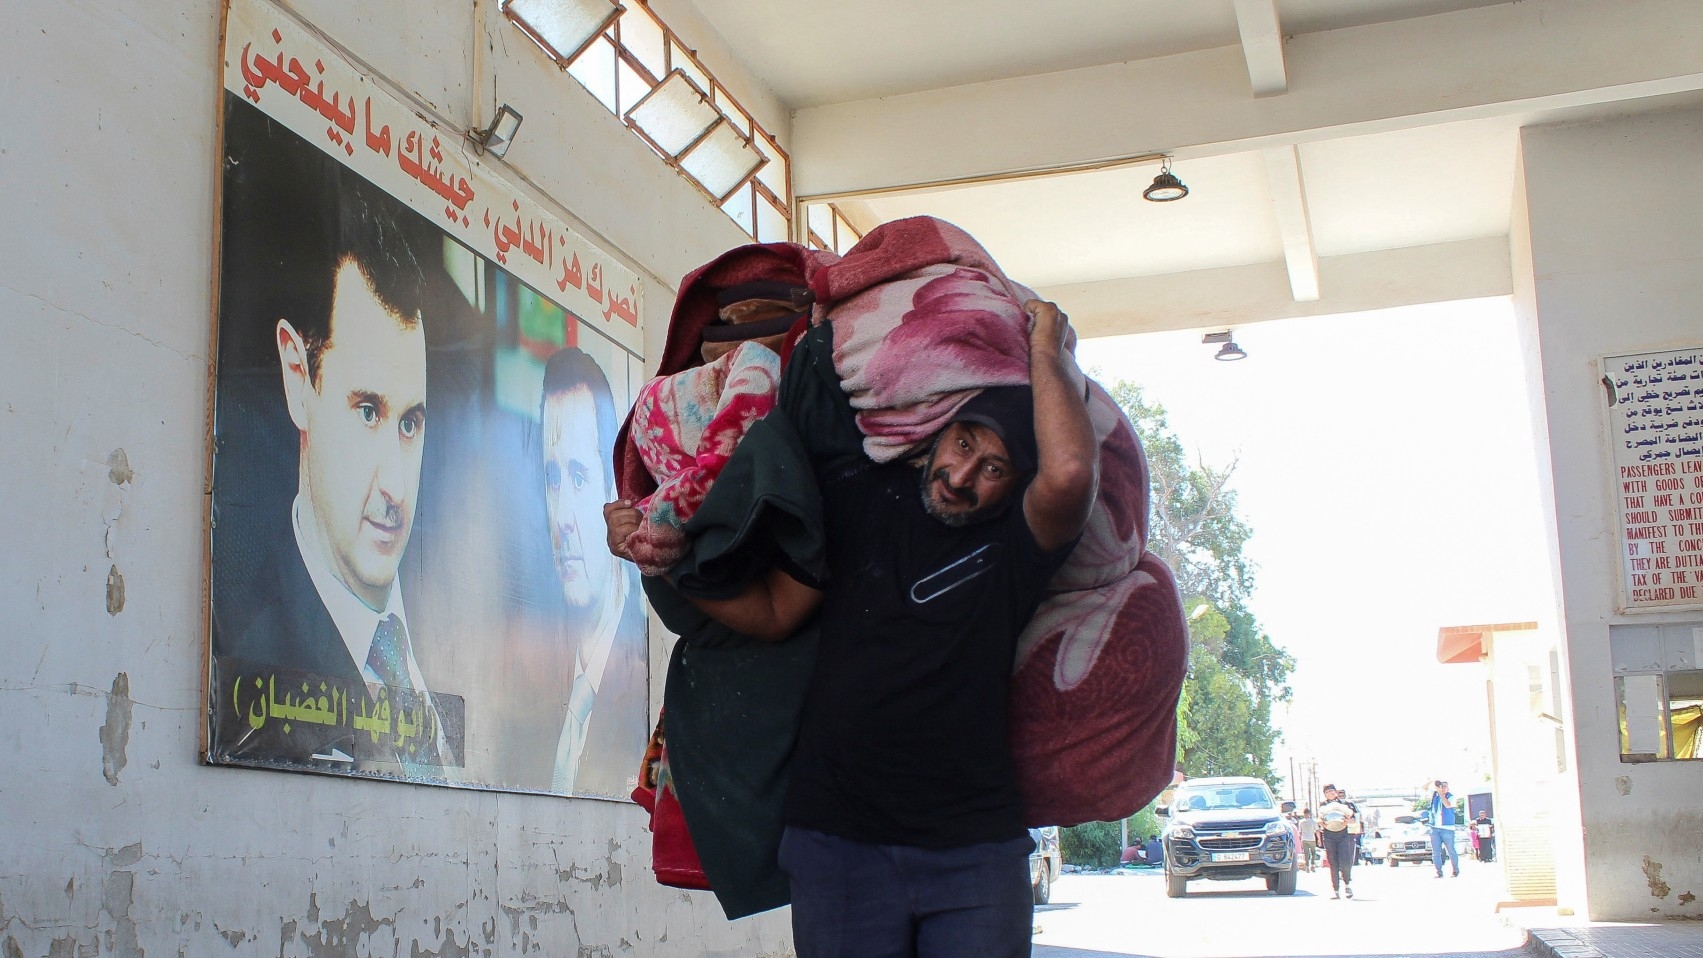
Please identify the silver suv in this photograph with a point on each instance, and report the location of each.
(1225, 829)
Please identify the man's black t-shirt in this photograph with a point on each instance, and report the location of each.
(905, 738)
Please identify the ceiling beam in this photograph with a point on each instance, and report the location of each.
(1240, 295)
(1289, 202)
(1262, 46)
(1507, 59)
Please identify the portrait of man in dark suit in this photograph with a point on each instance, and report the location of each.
(323, 614)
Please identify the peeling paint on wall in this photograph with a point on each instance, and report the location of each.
(360, 930)
(114, 591)
(1653, 874)
(118, 893)
(115, 734)
(1623, 784)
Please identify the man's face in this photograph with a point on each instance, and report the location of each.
(968, 475)
(363, 428)
(574, 493)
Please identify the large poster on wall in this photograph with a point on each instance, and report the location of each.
(1656, 447)
(417, 391)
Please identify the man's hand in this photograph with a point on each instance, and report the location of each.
(622, 521)
(1057, 501)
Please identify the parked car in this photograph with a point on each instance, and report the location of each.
(1045, 862)
(1410, 841)
(1375, 847)
(1223, 829)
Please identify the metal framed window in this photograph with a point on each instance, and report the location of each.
(829, 229)
(642, 72)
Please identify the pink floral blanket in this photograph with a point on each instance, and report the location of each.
(685, 427)
(924, 318)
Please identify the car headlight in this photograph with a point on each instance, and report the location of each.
(1182, 831)
(1275, 828)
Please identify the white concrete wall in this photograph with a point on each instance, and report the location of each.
(113, 839)
(1616, 265)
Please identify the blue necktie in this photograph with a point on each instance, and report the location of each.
(388, 655)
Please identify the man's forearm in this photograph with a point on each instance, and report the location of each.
(770, 608)
(1067, 473)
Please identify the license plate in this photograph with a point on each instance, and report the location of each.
(1229, 856)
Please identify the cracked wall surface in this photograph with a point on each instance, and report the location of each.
(117, 840)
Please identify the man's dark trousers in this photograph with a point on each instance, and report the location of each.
(857, 900)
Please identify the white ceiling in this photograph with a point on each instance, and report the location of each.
(1394, 128)
(813, 52)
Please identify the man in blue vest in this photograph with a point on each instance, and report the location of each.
(1441, 817)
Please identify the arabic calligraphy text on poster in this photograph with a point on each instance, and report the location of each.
(295, 78)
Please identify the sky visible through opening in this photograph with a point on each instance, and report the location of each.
(1385, 463)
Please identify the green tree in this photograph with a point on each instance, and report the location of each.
(1236, 670)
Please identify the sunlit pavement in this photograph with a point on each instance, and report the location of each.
(1395, 911)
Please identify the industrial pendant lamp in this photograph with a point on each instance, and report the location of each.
(1229, 352)
(1166, 187)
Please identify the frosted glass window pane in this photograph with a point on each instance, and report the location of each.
(844, 237)
(820, 216)
(771, 223)
(643, 38)
(674, 114)
(721, 160)
(629, 86)
(595, 70)
(738, 207)
(564, 25)
(734, 113)
(683, 62)
(774, 174)
(1642, 731)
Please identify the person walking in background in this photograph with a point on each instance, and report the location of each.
(1309, 827)
(1441, 817)
(1484, 831)
(1335, 817)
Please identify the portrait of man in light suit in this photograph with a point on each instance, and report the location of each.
(606, 720)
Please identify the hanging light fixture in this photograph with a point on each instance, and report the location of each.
(1229, 352)
(1166, 187)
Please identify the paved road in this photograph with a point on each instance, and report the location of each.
(1403, 911)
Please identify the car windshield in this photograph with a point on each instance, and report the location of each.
(1217, 797)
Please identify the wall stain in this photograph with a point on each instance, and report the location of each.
(1686, 898)
(1623, 784)
(1653, 874)
(118, 467)
(115, 734)
(12, 948)
(114, 591)
(118, 471)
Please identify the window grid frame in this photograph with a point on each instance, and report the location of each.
(743, 121)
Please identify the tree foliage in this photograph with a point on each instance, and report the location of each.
(1236, 671)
